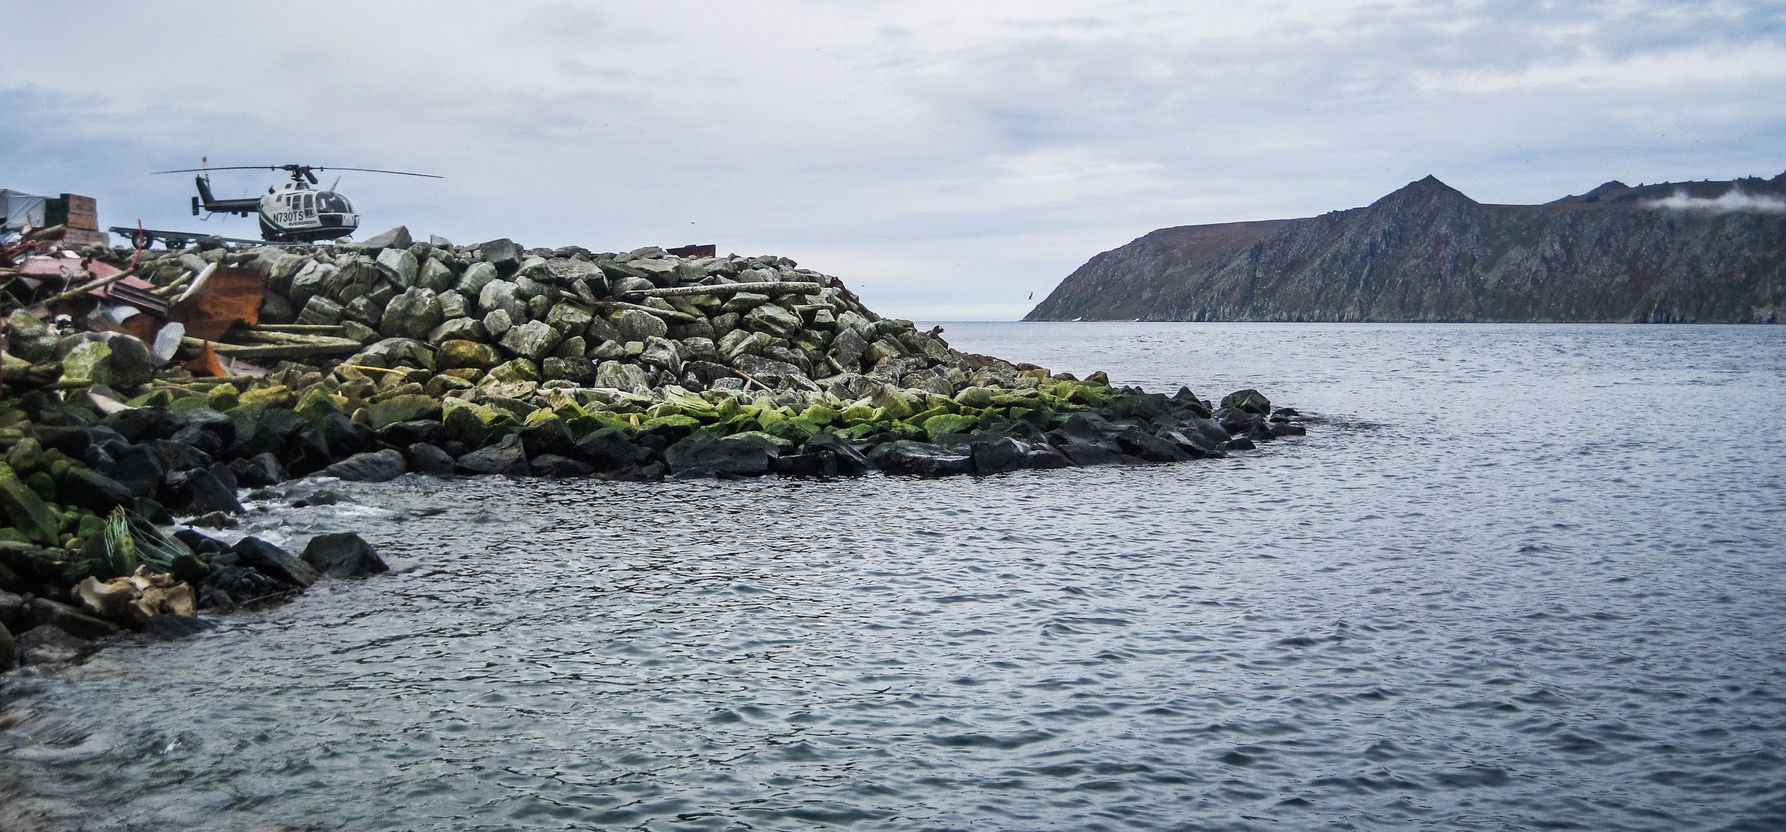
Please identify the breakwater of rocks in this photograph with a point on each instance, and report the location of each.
(395, 356)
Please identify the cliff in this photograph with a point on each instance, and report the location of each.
(1688, 252)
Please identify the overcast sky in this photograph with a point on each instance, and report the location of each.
(946, 158)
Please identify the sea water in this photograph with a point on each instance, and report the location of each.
(1515, 577)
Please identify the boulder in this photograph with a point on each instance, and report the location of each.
(413, 314)
(398, 266)
(553, 465)
(9, 650)
(906, 456)
(533, 340)
(50, 645)
(343, 555)
(29, 338)
(457, 329)
(460, 353)
(1249, 400)
(741, 454)
(272, 561)
(81, 486)
(436, 276)
(109, 358)
(428, 458)
(773, 319)
(627, 377)
(503, 295)
(636, 325)
(397, 238)
(475, 278)
(372, 466)
(198, 491)
(70, 619)
(506, 457)
(502, 254)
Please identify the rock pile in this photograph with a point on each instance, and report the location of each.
(404, 356)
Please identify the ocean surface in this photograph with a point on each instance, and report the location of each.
(1517, 577)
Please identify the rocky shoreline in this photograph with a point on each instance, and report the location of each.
(396, 357)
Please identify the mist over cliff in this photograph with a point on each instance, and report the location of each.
(1668, 252)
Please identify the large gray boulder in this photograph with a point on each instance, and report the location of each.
(627, 377)
(533, 340)
(398, 265)
(773, 319)
(475, 278)
(637, 325)
(412, 314)
(504, 295)
(396, 238)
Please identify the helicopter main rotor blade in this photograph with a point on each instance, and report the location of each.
(220, 167)
(376, 170)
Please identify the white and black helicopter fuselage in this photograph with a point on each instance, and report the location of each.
(289, 212)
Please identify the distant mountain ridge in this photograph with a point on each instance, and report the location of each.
(1668, 252)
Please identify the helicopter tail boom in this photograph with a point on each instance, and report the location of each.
(239, 207)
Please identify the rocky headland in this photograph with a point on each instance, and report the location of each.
(1705, 252)
(395, 357)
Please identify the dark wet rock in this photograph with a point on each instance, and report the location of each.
(906, 456)
(214, 520)
(70, 619)
(200, 543)
(180, 456)
(272, 561)
(502, 254)
(850, 459)
(1287, 429)
(998, 454)
(1251, 401)
(139, 468)
(168, 627)
(1146, 446)
(50, 645)
(1093, 453)
(9, 650)
(371, 466)
(806, 464)
(404, 434)
(89, 489)
(143, 423)
(199, 492)
(506, 457)
(741, 454)
(258, 470)
(553, 465)
(610, 450)
(430, 459)
(15, 612)
(343, 555)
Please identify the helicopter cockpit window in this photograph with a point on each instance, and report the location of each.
(309, 204)
(330, 202)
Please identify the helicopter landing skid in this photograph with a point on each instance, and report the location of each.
(180, 239)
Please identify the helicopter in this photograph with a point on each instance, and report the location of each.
(292, 211)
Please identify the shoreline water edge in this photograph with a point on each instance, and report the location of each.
(392, 357)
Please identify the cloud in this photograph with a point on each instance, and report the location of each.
(1732, 201)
